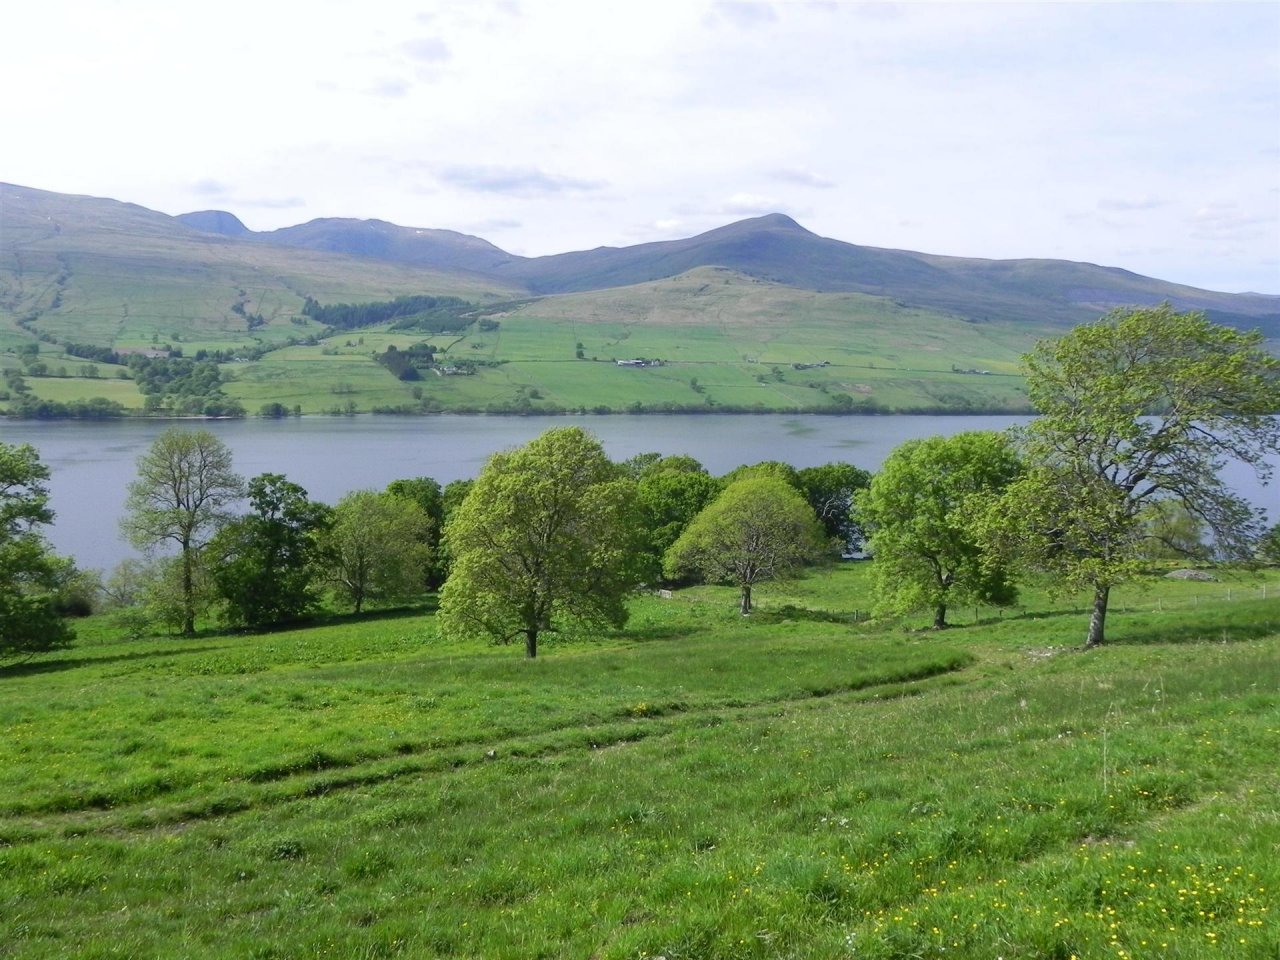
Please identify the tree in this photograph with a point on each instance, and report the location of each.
(1144, 405)
(185, 484)
(1172, 532)
(375, 547)
(670, 492)
(830, 489)
(264, 564)
(760, 528)
(31, 577)
(546, 534)
(426, 493)
(1269, 545)
(921, 510)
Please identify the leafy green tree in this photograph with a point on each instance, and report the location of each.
(1144, 405)
(185, 485)
(1172, 532)
(1269, 545)
(31, 577)
(921, 510)
(765, 468)
(264, 564)
(830, 489)
(759, 528)
(545, 535)
(670, 492)
(375, 547)
(427, 494)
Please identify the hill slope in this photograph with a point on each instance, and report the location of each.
(756, 315)
(775, 247)
(91, 270)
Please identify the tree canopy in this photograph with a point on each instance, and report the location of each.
(546, 535)
(376, 547)
(921, 510)
(760, 528)
(185, 485)
(30, 574)
(264, 563)
(1145, 405)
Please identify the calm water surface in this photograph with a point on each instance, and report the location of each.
(92, 463)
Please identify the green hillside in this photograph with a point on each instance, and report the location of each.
(801, 783)
(760, 315)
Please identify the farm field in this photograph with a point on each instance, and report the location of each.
(803, 783)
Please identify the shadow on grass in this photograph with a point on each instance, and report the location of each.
(33, 667)
(1210, 627)
(653, 634)
(792, 612)
(368, 616)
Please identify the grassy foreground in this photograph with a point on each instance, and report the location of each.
(697, 786)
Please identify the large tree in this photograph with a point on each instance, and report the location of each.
(921, 510)
(760, 528)
(670, 492)
(264, 565)
(426, 493)
(376, 547)
(1142, 406)
(30, 575)
(830, 489)
(546, 534)
(184, 488)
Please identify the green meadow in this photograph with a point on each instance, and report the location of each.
(726, 342)
(804, 783)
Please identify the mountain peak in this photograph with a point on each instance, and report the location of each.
(214, 221)
(777, 220)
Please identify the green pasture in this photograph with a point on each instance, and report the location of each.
(804, 783)
(314, 379)
(64, 389)
(737, 337)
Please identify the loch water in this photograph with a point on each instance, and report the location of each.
(92, 463)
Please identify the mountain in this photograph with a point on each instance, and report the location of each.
(756, 315)
(39, 225)
(776, 248)
(214, 221)
(377, 239)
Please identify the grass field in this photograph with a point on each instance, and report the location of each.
(801, 784)
(728, 341)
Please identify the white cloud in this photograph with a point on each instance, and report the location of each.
(990, 130)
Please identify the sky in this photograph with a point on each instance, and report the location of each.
(1141, 135)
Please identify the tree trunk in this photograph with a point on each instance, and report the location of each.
(530, 644)
(188, 594)
(1098, 620)
(746, 599)
(940, 617)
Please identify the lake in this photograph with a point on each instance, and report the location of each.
(93, 463)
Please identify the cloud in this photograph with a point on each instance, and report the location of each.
(273, 203)
(515, 181)
(1226, 220)
(210, 188)
(1124, 204)
(802, 178)
(741, 14)
(392, 88)
(481, 227)
(427, 50)
(749, 204)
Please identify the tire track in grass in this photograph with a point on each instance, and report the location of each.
(246, 794)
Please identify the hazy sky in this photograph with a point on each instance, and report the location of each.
(1142, 135)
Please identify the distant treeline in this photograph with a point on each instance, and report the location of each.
(28, 407)
(88, 351)
(429, 314)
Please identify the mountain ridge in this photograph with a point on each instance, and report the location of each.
(778, 248)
